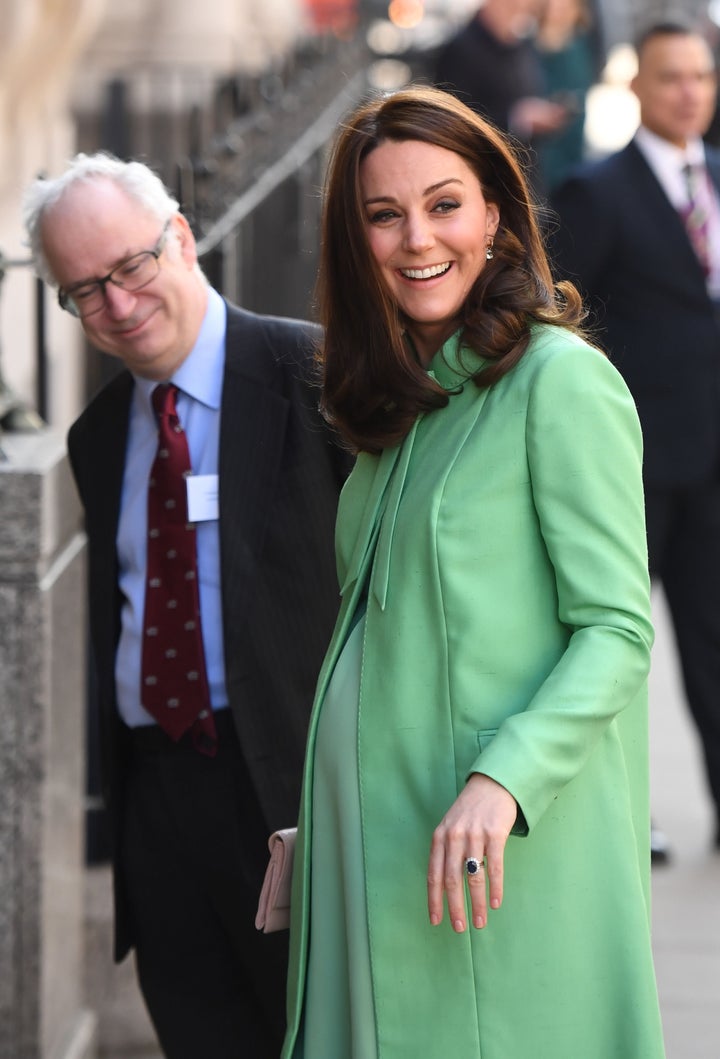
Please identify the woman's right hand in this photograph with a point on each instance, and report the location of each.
(477, 826)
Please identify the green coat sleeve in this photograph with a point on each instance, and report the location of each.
(584, 454)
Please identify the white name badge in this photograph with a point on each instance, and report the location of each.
(202, 497)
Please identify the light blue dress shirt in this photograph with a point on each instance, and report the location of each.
(200, 379)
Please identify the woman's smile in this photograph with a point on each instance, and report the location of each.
(425, 273)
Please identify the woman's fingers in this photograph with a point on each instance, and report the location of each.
(455, 885)
(448, 876)
(475, 870)
(436, 880)
(467, 854)
(495, 871)
(446, 880)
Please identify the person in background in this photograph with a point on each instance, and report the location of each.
(474, 828)
(568, 59)
(492, 65)
(640, 234)
(210, 485)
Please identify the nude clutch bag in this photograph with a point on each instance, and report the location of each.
(274, 905)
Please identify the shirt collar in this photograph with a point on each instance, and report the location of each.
(662, 154)
(201, 373)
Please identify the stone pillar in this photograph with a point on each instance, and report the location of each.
(42, 716)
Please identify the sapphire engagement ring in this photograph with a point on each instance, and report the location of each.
(473, 865)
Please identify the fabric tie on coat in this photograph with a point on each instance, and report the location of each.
(174, 684)
(366, 539)
(383, 551)
(378, 518)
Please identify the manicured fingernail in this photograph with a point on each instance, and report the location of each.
(479, 922)
(435, 920)
(458, 926)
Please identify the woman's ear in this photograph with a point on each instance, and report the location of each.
(492, 219)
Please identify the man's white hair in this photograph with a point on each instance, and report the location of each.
(136, 179)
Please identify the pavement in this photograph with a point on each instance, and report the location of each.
(686, 892)
(686, 896)
(111, 991)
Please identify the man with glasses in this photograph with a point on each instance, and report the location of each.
(210, 508)
(86, 299)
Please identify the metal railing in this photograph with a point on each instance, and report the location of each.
(262, 251)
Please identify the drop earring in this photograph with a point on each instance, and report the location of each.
(489, 254)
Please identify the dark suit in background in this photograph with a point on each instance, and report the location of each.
(626, 247)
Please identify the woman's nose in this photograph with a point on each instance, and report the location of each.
(418, 234)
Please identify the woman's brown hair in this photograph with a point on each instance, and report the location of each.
(373, 385)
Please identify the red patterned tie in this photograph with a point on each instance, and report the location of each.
(695, 215)
(174, 680)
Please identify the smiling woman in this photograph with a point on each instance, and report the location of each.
(474, 830)
(405, 178)
(429, 229)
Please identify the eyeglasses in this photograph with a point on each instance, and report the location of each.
(88, 298)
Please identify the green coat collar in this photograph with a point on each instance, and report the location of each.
(455, 363)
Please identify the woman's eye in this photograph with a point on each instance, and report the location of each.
(446, 206)
(382, 215)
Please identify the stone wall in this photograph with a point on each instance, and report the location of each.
(42, 717)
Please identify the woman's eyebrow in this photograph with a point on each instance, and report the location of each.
(427, 191)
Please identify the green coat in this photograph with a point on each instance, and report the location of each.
(507, 632)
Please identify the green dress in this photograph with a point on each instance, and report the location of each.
(338, 1017)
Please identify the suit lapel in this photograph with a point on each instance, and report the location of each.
(112, 454)
(101, 484)
(254, 417)
(649, 192)
(712, 160)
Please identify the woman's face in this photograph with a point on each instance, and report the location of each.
(429, 227)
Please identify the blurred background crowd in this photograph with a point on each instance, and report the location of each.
(213, 96)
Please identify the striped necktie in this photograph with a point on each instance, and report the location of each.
(695, 214)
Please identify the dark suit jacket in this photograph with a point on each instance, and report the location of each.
(625, 246)
(280, 473)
